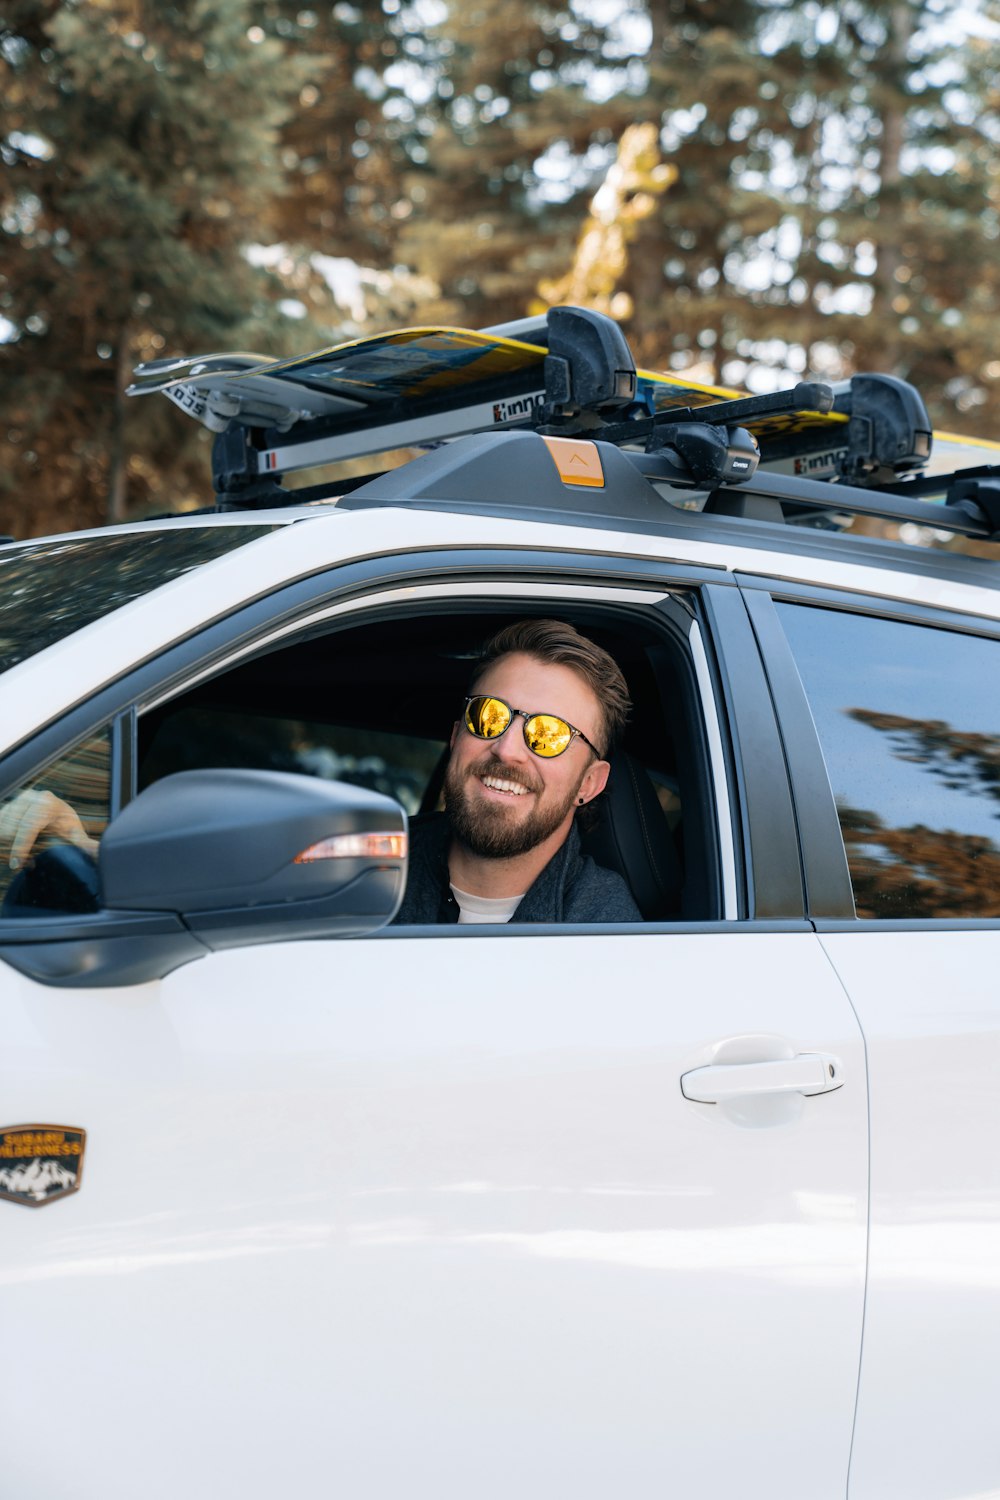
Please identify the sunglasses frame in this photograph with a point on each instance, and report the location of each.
(523, 713)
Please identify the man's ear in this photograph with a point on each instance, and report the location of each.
(454, 734)
(595, 780)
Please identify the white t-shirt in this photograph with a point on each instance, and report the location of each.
(484, 908)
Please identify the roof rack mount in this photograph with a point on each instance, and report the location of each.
(888, 429)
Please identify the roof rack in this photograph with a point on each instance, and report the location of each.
(590, 387)
(577, 379)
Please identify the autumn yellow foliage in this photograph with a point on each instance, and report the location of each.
(635, 181)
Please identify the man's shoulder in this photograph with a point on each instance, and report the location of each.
(597, 894)
(429, 834)
(573, 887)
(428, 868)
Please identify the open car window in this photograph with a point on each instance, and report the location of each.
(373, 703)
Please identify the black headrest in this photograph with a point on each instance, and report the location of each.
(629, 833)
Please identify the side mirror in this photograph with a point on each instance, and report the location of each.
(220, 859)
(257, 856)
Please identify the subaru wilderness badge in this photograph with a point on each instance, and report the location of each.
(40, 1163)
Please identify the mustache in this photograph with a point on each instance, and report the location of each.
(491, 766)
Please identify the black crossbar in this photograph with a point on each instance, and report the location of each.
(850, 500)
(808, 395)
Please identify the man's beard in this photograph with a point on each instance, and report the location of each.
(484, 827)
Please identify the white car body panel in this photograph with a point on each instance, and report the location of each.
(929, 1005)
(455, 1236)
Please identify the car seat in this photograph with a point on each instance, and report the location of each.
(627, 831)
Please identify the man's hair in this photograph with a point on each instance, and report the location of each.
(556, 642)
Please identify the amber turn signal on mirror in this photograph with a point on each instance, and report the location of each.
(355, 846)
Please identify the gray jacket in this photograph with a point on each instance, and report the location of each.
(571, 888)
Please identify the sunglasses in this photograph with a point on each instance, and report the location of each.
(544, 734)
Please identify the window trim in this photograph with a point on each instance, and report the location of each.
(766, 815)
(828, 887)
(725, 809)
(68, 952)
(319, 621)
(848, 602)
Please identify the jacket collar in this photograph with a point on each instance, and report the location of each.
(542, 902)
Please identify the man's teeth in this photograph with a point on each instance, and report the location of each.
(500, 785)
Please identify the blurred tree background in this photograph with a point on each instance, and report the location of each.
(755, 188)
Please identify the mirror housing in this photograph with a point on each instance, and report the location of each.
(205, 860)
(222, 849)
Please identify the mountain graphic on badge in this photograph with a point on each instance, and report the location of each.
(40, 1163)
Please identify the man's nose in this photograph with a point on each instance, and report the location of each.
(510, 747)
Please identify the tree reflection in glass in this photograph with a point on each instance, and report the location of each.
(916, 871)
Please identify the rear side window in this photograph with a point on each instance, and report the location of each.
(909, 720)
(49, 589)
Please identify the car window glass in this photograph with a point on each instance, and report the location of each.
(910, 729)
(59, 873)
(49, 589)
(194, 738)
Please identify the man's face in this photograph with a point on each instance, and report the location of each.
(502, 799)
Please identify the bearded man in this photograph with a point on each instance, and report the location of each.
(528, 752)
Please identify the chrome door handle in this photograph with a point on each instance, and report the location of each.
(808, 1073)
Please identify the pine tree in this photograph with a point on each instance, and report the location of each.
(919, 229)
(836, 207)
(140, 145)
(521, 138)
(347, 147)
(709, 274)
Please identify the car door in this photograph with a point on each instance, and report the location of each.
(901, 700)
(516, 1210)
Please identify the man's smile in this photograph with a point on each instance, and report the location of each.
(504, 785)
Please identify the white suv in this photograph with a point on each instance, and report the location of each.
(707, 1204)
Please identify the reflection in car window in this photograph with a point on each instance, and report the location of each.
(52, 588)
(82, 780)
(190, 738)
(910, 728)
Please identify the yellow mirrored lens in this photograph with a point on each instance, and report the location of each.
(547, 735)
(487, 717)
